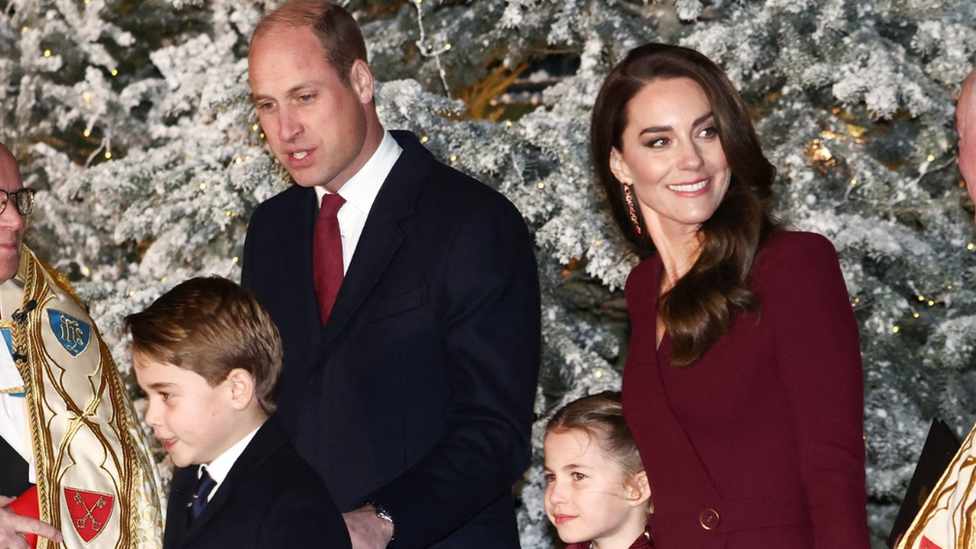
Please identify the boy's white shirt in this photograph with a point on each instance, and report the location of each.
(220, 467)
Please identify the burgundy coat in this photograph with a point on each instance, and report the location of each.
(758, 443)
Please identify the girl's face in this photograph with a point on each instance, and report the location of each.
(588, 496)
(672, 155)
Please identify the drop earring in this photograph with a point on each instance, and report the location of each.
(630, 205)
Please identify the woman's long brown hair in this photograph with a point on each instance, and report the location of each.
(699, 308)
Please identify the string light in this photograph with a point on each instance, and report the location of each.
(598, 374)
(854, 181)
(115, 72)
(930, 158)
(236, 259)
(921, 298)
(424, 139)
(132, 293)
(894, 330)
(164, 278)
(541, 184)
(108, 155)
(262, 135)
(598, 243)
(203, 186)
(85, 271)
(447, 47)
(453, 158)
(24, 29)
(47, 53)
(87, 133)
(931, 303)
(508, 123)
(916, 315)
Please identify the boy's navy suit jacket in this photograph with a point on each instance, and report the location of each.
(271, 498)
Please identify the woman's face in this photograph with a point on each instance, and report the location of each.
(672, 155)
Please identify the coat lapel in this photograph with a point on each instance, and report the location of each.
(382, 234)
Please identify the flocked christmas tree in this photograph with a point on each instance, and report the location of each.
(133, 119)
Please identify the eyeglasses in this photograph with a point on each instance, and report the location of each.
(23, 200)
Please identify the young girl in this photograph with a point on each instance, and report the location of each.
(597, 494)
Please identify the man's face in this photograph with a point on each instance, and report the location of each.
(966, 125)
(12, 223)
(316, 126)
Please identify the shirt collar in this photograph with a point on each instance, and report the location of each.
(221, 465)
(362, 188)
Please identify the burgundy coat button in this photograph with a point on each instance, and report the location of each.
(709, 519)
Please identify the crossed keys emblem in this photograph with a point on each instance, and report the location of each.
(90, 511)
(96, 525)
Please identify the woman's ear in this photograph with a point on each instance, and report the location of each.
(640, 490)
(619, 168)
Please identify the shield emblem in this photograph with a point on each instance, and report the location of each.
(72, 333)
(89, 511)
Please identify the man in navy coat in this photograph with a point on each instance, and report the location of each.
(408, 302)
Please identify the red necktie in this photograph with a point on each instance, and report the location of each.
(327, 254)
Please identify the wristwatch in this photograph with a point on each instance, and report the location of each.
(382, 513)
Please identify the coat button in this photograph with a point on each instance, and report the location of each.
(709, 519)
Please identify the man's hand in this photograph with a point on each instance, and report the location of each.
(13, 527)
(366, 530)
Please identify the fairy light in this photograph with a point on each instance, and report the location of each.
(921, 298)
(931, 303)
(255, 127)
(895, 329)
(508, 123)
(916, 315)
(108, 155)
(447, 47)
(87, 133)
(970, 246)
(115, 72)
(541, 184)
(203, 186)
(854, 181)
(453, 158)
(424, 139)
(47, 53)
(598, 373)
(236, 259)
(85, 271)
(930, 158)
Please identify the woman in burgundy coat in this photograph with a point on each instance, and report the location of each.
(743, 386)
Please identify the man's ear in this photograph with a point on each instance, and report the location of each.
(241, 388)
(619, 168)
(361, 80)
(640, 490)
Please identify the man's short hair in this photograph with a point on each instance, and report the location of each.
(210, 326)
(335, 28)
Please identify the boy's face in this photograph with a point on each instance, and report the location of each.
(194, 421)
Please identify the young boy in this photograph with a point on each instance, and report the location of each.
(208, 356)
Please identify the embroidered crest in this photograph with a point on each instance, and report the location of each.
(89, 511)
(72, 333)
(928, 544)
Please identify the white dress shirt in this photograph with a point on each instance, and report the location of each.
(360, 192)
(221, 465)
(13, 409)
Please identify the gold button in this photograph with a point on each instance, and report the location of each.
(709, 519)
